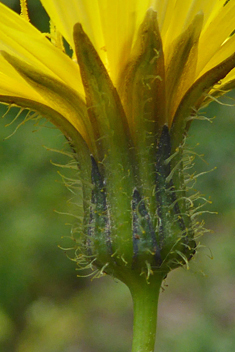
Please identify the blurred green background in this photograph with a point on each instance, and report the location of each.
(45, 307)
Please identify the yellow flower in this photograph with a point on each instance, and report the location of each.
(196, 37)
(138, 73)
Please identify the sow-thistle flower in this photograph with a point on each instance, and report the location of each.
(138, 74)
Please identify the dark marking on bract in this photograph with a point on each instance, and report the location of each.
(144, 236)
(99, 219)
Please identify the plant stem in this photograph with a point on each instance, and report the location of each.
(145, 300)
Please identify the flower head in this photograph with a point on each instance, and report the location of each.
(138, 74)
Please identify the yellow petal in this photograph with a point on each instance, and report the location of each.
(65, 17)
(21, 39)
(194, 97)
(175, 16)
(120, 21)
(110, 25)
(181, 64)
(222, 53)
(55, 95)
(216, 30)
(226, 81)
(11, 83)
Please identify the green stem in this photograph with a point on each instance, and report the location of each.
(145, 299)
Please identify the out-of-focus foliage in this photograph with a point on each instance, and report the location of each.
(44, 307)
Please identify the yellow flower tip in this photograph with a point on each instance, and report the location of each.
(24, 10)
